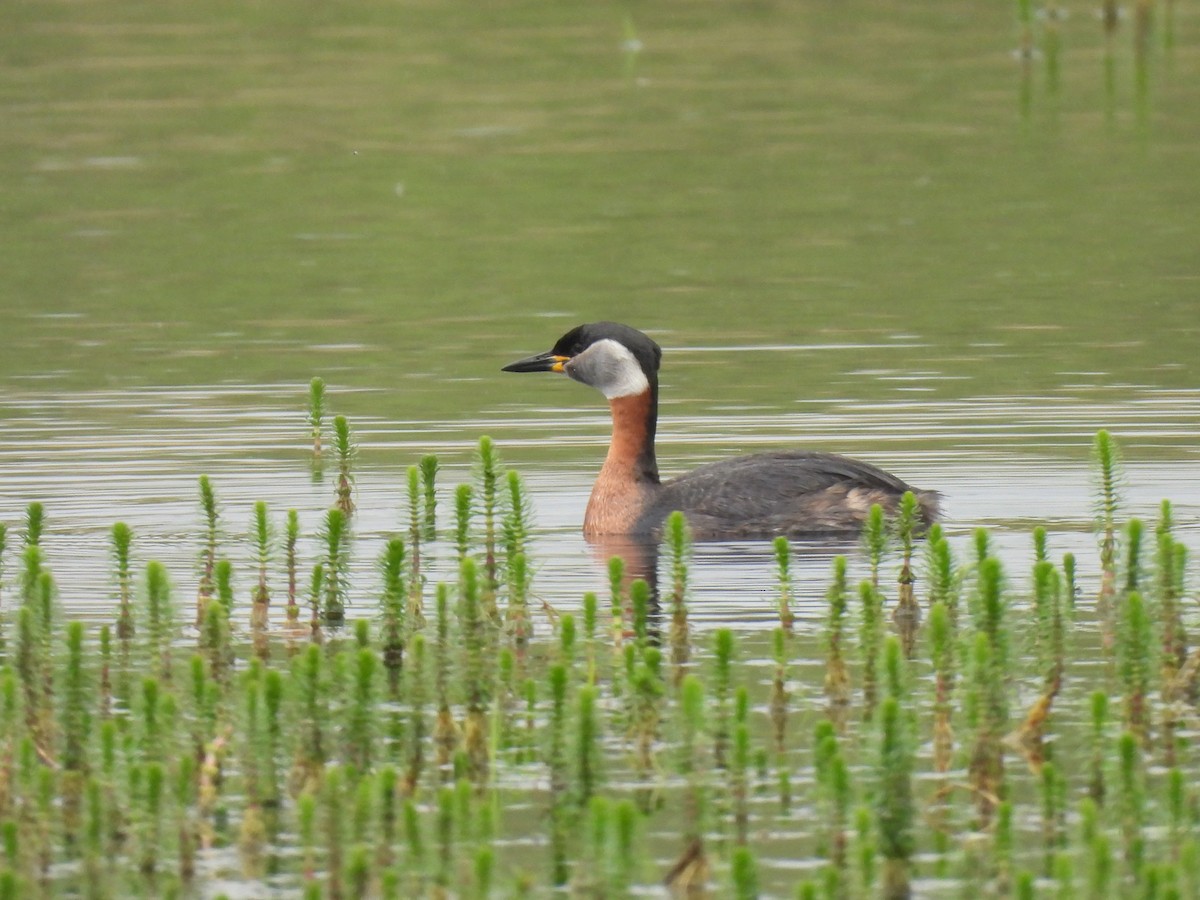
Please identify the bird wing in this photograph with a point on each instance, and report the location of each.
(787, 492)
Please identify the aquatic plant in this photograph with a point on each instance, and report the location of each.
(941, 643)
(120, 771)
(519, 581)
(3, 547)
(346, 451)
(837, 676)
(894, 809)
(208, 552)
(1107, 469)
(1051, 652)
(159, 618)
(360, 730)
(779, 693)
(739, 767)
(1136, 658)
(477, 684)
(291, 537)
(556, 762)
(429, 469)
(875, 541)
(646, 694)
(744, 870)
(488, 478)
(907, 614)
(316, 416)
(591, 605)
(784, 577)
(35, 524)
(870, 640)
(122, 540)
(833, 796)
(1053, 791)
(415, 531)
(223, 574)
(587, 743)
(691, 869)
(518, 513)
(1132, 802)
(337, 560)
(393, 605)
(679, 548)
(417, 727)
(723, 645)
(989, 696)
(264, 539)
(463, 498)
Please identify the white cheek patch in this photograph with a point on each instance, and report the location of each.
(609, 367)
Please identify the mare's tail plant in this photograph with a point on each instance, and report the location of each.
(264, 539)
(1169, 559)
(344, 447)
(35, 524)
(556, 762)
(463, 496)
(445, 732)
(394, 605)
(1049, 635)
(942, 644)
(488, 467)
(208, 553)
(476, 681)
(316, 417)
(291, 537)
(939, 564)
(722, 673)
(159, 618)
(316, 594)
(690, 871)
(784, 570)
(1135, 655)
(3, 547)
(1106, 456)
(988, 701)
(837, 676)
(76, 726)
(224, 578)
(833, 796)
(875, 541)
(907, 614)
(122, 539)
(515, 529)
(895, 809)
(678, 541)
(779, 709)
(429, 470)
(336, 563)
(416, 538)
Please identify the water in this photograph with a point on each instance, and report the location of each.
(1001, 465)
(869, 231)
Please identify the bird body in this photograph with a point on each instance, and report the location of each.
(790, 493)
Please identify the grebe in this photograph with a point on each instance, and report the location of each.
(790, 492)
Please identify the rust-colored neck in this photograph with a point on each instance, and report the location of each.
(629, 476)
(634, 421)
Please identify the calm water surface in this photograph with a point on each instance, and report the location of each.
(869, 230)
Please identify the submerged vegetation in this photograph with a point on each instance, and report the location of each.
(414, 739)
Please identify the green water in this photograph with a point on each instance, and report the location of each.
(863, 227)
(396, 194)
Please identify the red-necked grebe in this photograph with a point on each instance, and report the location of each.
(789, 492)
